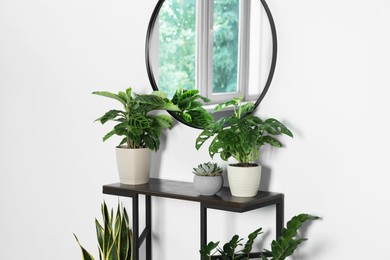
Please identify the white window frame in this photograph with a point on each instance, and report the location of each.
(204, 55)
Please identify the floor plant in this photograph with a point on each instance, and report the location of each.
(281, 248)
(114, 236)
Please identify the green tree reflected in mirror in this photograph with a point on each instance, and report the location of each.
(225, 47)
(177, 45)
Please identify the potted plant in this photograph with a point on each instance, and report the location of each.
(241, 136)
(140, 129)
(281, 248)
(114, 236)
(208, 178)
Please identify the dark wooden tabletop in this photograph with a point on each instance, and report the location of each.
(186, 191)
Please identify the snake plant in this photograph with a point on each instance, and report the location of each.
(114, 236)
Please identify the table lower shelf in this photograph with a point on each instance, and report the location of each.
(223, 200)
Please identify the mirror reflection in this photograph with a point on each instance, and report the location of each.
(222, 48)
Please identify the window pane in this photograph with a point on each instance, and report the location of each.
(225, 52)
(177, 23)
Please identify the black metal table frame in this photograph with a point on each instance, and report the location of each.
(146, 234)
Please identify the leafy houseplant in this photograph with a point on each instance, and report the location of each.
(241, 136)
(208, 178)
(114, 236)
(191, 107)
(281, 248)
(140, 129)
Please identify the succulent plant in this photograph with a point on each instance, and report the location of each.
(208, 169)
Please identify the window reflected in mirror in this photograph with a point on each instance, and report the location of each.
(222, 49)
(206, 45)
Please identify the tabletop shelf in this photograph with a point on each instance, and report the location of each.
(186, 191)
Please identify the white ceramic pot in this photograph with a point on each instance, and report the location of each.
(208, 185)
(133, 165)
(244, 181)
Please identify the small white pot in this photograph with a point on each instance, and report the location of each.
(244, 181)
(208, 185)
(133, 165)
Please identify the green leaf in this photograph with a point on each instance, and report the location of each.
(233, 102)
(160, 94)
(164, 121)
(110, 115)
(139, 121)
(153, 101)
(247, 108)
(251, 239)
(278, 126)
(187, 117)
(86, 255)
(110, 95)
(286, 244)
(170, 107)
(109, 134)
(206, 250)
(99, 234)
(271, 140)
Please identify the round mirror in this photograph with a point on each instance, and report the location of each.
(216, 49)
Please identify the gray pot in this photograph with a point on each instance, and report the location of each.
(208, 185)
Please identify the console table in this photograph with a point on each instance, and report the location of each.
(186, 191)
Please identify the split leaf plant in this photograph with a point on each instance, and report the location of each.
(242, 134)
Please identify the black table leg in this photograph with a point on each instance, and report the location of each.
(279, 217)
(203, 226)
(148, 206)
(135, 227)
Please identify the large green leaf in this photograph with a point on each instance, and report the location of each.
(247, 108)
(286, 244)
(200, 117)
(124, 243)
(86, 255)
(99, 234)
(270, 140)
(152, 100)
(169, 106)
(138, 121)
(160, 94)
(164, 121)
(110, 115)
(233, 102)
(110, 95)
(206, 250)
(112, 253)
(278, 126)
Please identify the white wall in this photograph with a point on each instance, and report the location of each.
(330, 87)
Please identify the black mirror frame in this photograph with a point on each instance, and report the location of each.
(272, 67)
